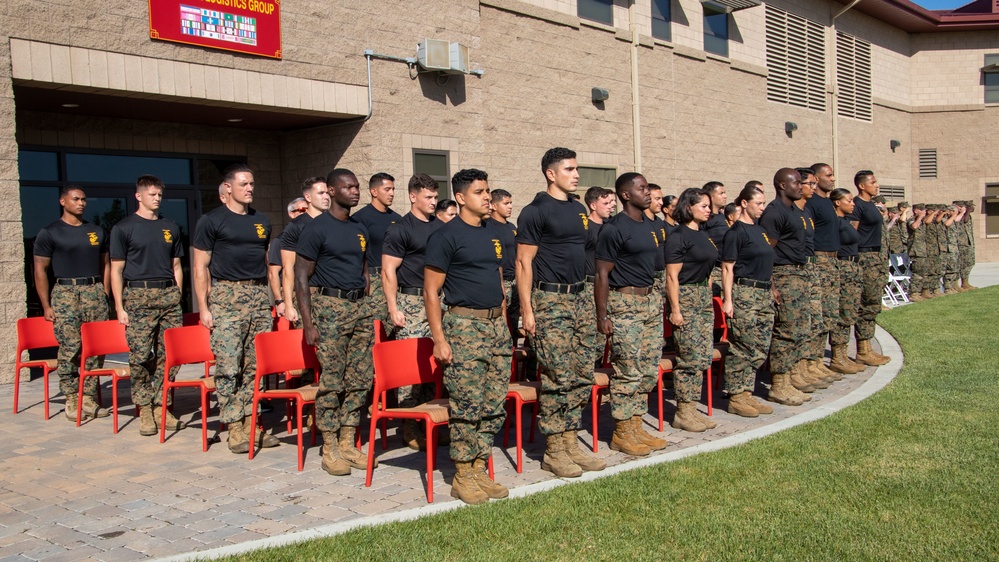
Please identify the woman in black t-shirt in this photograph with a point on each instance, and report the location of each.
(747, 269)
(851, 282)
(690, 255)
(669, 207)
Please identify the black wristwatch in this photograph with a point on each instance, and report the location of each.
(278, 301)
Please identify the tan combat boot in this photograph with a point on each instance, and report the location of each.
(480, 471)
(91, 409)
(841, 363)
(740, 405)
(147, 425)
(624, 440)
(686, 418)
(557, 460)
(762, 407)
(811, 376)
(926, 294)
(239, 442)
(411, 436)
(967, 286)
(171, 421)
(262, 439)
(349, 452)
(71, 408)
(464, 486)
(916, 297)
(818, 367)
(867, 355)
(651, 441)
(332, 463)
(583, 459)
(780, 393)
(798, 380)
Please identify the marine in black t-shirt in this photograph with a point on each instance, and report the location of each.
(826, 223)
(592, 235)
(376, 223)
(849, 239)
(238, 243)
(558, 229)
(715, 228)
(274, 253)
(809, 232)
(148, 247)
(747, 246)
(632, 247)
(470, 256)
(695, 250)
(870, 223)
(75, 251)
(786, 224)
(292, 232)
(507, 232)
(407, 240)
(338, 249)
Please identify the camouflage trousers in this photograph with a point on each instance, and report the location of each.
(477, 380)
(934, 273)
(875, 275)
(920, 275)
(240, 312)
(813, 331)
(965, 261)
(75, 305)
(376, 300)
(597, 343)
(715, 281)
(413, 308)
(346, 335)
(952, 271)
(564, 342)
(826, 286)
(512, 301)
(791, 322)
(636, 346)
(694, 342)
(851, 281)
(150, 313)
(749, 332)
(659, 285)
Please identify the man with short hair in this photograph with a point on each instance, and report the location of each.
(867, 220)
(966, 245)
(950, 249)
(297, 207)
(918, 254)
(230, 278)
(463, 258)
(502, 210)
(659, 228)
(376, 217)
(77, 252)
(331, 284)
(316, 195)
(601, 203)
(146, 279)
(716, 227)
(557, 314)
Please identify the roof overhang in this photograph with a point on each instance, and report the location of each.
(913, 18)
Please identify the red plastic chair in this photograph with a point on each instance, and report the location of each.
(189, 345)
(191, 319)
(281, 352)
(405, 363)
(99, 339)
(601, 382)
(34, 333)
(666, 364)
(519, 394)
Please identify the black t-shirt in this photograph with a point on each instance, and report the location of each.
(558, 229)
(659, 226)
(507, 232)
(292, 232)
(866, 213)
(407, 239)
(809, 232)
(75, 250)
(715, 228)
(147, 246)
(338, 248)
(238, 243)
(376, 223)
(826, 223)
(470, 256)
(787, 225)
(274, 252)
(747, 246)
(632, 247)
(695, 250)
(849, 238)
(592, 235)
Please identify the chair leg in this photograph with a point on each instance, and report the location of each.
(506, 424)
(301, 457)
(17, 389)
(79, 400)
(45, 382)
(595, 409)
(166, 391)
(371, 452)
(384, 434)
(520, 436)
(534, 421)
(253, 425)
(114, 402)
(492, 473)
(428, 430)
(709, 391)
(312, 427)
(659, 394)
(204, 419)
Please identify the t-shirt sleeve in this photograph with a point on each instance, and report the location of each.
(274, 253)
(609, 242)
(730, 245)
(289, 238)
(205, 234)
(396, 241)
(858, 211)
(771, 223)
(310, 242)
(676, 248)
(43, 244)
(440, 249)
(530, 230)
(119, 243)
(105, 240)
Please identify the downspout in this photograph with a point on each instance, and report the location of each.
(636, 123)
(835, 86)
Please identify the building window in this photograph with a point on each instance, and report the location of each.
(590, 176)
(992, 210)
(927, 162)
(796, 60)
(715, 31)
(991, 72)
(853, 78)
(661, 19)
(435, 164)
(601, 11)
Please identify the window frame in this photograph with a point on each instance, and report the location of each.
(715, 13)
(582, 5)
(436, 177)
(665, 19)
(991, 74)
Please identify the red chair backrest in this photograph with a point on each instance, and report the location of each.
(380, 334)
(34, 333)
(278, 352)
(720, 322)
(187, 345)
(191, 319)
(405, 363)
(102, 338)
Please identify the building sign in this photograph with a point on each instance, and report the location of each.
(245, 26)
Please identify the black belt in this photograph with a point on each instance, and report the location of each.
(376, 270)
(794, 265)
(484, 313)
(157, 284)
(752, 283)
(416, 291)
(78, 280)
(568, 289)
(695, 284)
(850, 258)
(825, 254)
(589, 279)
(640, 291)
(261, 281)
(869, 249)
(353, 295)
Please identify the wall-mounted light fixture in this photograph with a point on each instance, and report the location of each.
(790, 127)
(894, 144)
(599, 94)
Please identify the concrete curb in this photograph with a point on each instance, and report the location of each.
(881, 377)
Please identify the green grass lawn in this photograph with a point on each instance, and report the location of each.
(909, 474)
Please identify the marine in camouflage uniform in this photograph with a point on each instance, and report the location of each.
(344, 350)
(918, 253)
(150, 313)
(240, 312)
(849, 302)
(966, 246)
(694, 341)
(949, 253)
(750, 329)
(73, 306)
(934, 268)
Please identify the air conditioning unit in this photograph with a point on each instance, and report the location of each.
(433, 54)
(459, 58)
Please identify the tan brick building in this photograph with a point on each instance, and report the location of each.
(696, 92)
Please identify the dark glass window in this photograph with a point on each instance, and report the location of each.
(715, 31)
(992, 79)
(38, 166)
(434, 163)
(106, 168)
(601, 11)
(660, 19)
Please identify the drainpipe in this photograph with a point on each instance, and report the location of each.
(835, 87)
(636, 123)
